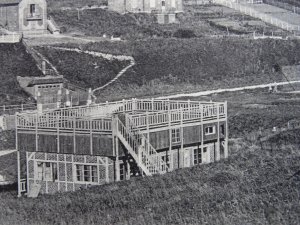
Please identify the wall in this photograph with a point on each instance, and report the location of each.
(9, 17)
(101, 144)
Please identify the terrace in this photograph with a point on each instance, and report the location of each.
(142, 113)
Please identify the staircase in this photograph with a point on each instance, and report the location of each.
(140, 149)
(52, 26)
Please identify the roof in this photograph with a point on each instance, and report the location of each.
(9, 2)
(46, 80)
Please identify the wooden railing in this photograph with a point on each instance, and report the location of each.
(141, 149)
(34, 121)
(184, 115)
(12, 109)
(142, 110)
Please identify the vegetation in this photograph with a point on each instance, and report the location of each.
(172, 65)
(83, 69)
(15, 61)
(258, 184)
(7, 140)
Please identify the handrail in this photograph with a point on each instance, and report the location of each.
(142, 148)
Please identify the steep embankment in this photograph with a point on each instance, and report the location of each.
(15, 61)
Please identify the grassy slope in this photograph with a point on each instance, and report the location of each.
(254, 186)
(83, 69)
(172, 65)
(15, 61)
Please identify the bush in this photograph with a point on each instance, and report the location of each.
(184, 33)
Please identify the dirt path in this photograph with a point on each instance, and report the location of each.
(217, 91)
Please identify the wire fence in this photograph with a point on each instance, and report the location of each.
(12, 109)
(283, 5)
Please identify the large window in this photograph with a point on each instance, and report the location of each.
(86, 173)
(176, 135)
(46, 171)
(210, 130)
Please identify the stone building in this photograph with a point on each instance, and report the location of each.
(164, 9)
(26, 16)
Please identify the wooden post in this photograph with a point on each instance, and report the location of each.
(74, 135)
(226, 138)
(170, 140)
(181, 139)
(18, 164)
(217, 150)
(91, 137)
(58, 141)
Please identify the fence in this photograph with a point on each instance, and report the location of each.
(10, 38)
(263, 16)
(12, 109)
(283, 5)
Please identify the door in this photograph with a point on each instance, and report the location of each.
(186, 158)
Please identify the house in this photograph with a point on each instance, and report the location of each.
(52, 92)
(26, 16)
(164, 9)
(72, 148)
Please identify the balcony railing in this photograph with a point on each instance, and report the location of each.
(34, 17)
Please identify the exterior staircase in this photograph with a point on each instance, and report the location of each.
(52, 26)
(140, 149)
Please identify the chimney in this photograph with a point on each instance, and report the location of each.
(89, 100)
(44, 67)
(68, 102)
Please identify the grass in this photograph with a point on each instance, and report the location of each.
(83, 69)
(175, 65)
(15, 61)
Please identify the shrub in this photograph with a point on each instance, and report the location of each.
(184, 33)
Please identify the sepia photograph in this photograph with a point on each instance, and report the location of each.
(149, 112)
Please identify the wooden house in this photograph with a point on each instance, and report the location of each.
(26, 16)
(71, 148)
(164, 9)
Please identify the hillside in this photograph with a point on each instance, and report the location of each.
(258, 184)
(83, 69)
(253, 187)
(15, 61)
(172, 65)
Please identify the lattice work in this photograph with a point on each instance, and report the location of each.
(212, 155)
(43, 187)
(52, 187)
(70, 187)
(30, 171)
(175, 160)
(91, 159)
(61, 158)
(102, 172)
(69, 158)
(52, 157)
(111, 174)
(62, 172)
(39, 155)
(62, 187)
(69, 172)
(78, 158)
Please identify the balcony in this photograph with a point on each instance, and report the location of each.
(34, 17)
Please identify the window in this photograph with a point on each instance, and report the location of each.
(86, 173)
(163, 3)
(152, 3)
(197, 156)
(32, 9)
(176, 135)
(46, 171)
(210, 130)
(173, 3)
(222, 129)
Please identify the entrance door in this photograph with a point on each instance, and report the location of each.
(163, 6)
(186, 158)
